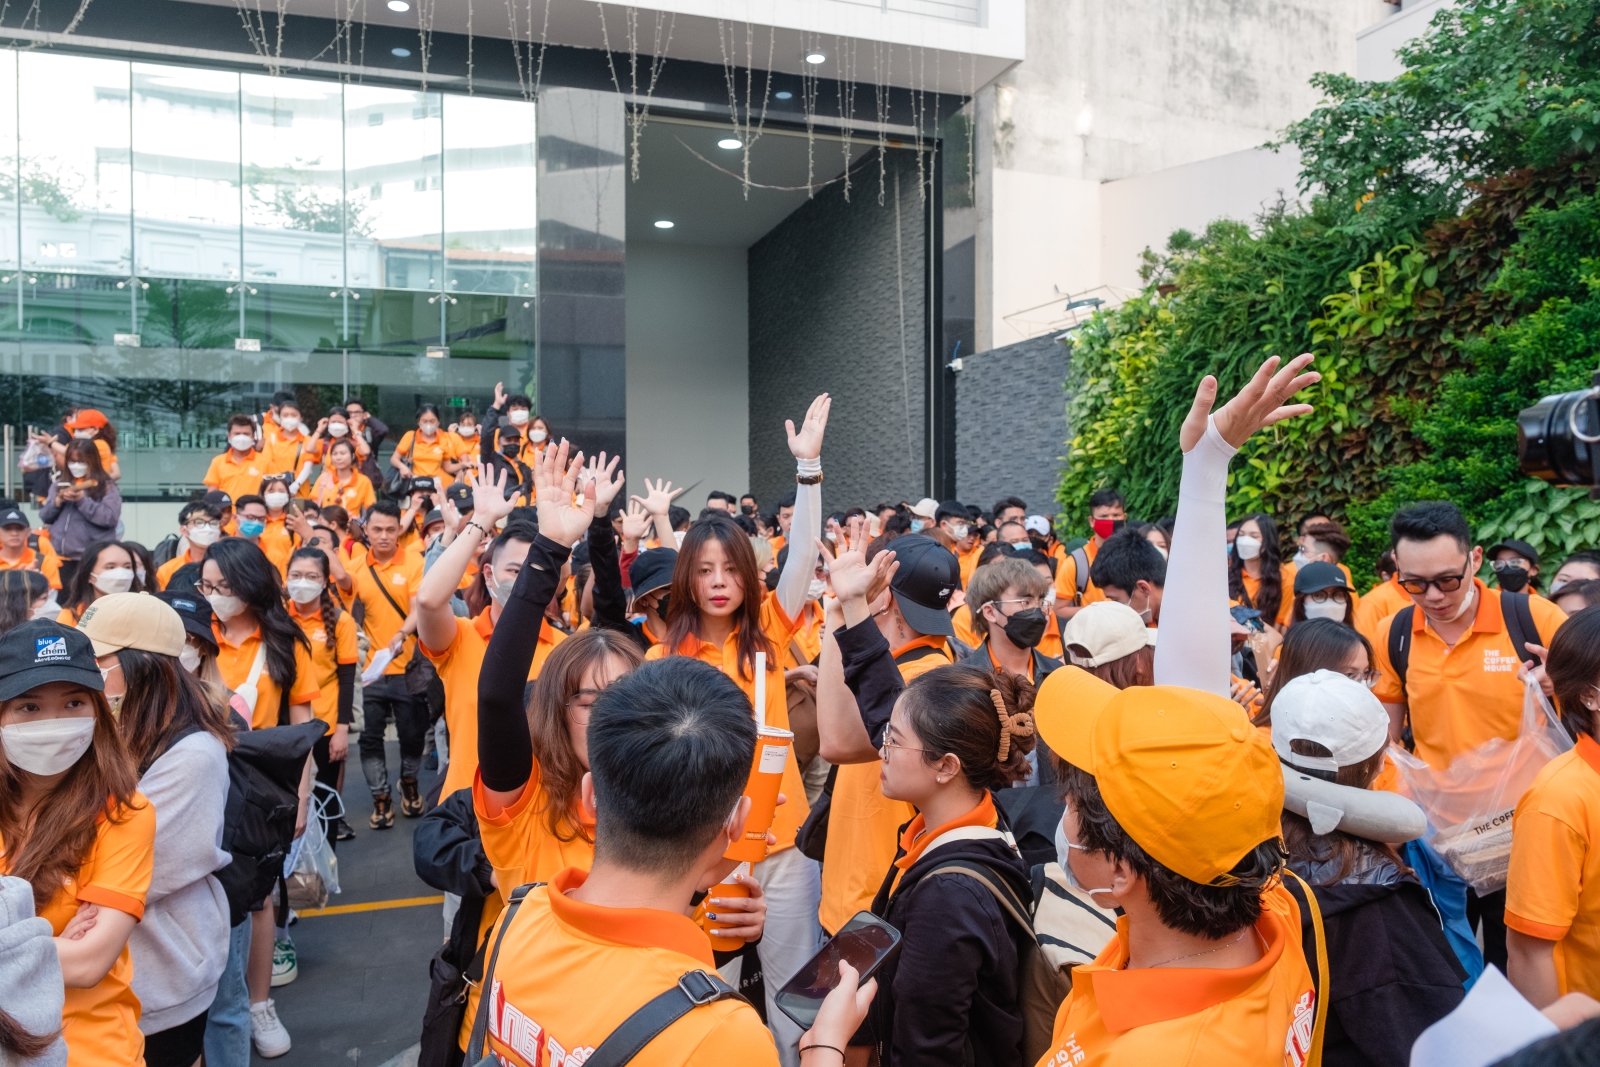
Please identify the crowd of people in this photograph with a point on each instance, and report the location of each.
(680, 755)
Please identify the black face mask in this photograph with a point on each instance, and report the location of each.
(1512, 579)
(1026, 628)
(511, 448)
(661, 605)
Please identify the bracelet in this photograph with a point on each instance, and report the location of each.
(474, 524)
(810, 479)
(830, 1048)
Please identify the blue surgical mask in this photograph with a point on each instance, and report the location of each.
(251, 528)
(917, 525)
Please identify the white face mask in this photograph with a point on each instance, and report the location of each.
(1063, 853)
(519, 417)
(48, 746)
(815, 590)
(49, 609)
(1247, 547)
(304, 590)
(77, 470)
(1163, 552)
(115, 580)
(429, 429)
(1301, 559)
(204, 535)
(189, 658)
(1466, 602)
(226, 606)
(84, 435)
(498, 590)
(288, 423)
(466, 431)
(276, 500)
(243, 442)
(337, 429)
(831, 535)
(537, 436)
(958, 530)
(1331, 608)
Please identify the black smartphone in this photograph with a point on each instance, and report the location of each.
(866, 942)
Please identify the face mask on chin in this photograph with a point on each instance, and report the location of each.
(47, 746)
(1466, 602)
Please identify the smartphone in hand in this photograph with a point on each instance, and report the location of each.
(866, 942)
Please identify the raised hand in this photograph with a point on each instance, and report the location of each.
(658, 496)
(489, 503)
(1259, 404)
(606, 478)
(635, 521)
(555, 481)
(851, 577)
(499, 395)
(807, 443)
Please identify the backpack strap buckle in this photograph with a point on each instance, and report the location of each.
(701, 988)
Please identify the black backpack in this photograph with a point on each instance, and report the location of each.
(1513, 609)
(165, 549)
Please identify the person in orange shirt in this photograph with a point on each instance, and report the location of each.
(625, 926)
(466, 433)
(955, 521)
(1323, 539)
(1131, 570)
(1255, 577)
(17, 554)
(427, 451)
(332, 428)
(285, 444)
(254, 524)
(74, 826)
(239, 470)
(91, 425)
(1321, 591)
(332, 634)
(278, 539)
(341, 484)
(1074, 587)
(200, 525)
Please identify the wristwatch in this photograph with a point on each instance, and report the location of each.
(808, 479)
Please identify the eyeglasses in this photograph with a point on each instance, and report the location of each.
(1448, 584)
(219, 588)
(1366, 678)
(1507, 564)
(1026, 601)
(883, 749)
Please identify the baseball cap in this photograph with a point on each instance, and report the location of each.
(928, 574)
(1336, 712)
(13, 517)
(1106, 630)
(217, 499)
(42, 650)
(434, 515)
(1315, 577)
(87, 419)
(132, 620)
(460, 494)
(652, 570)
(194, 612)
(1037, 524)
(926, 508)
(1182, 771)
(1521, 548)
(952, 509)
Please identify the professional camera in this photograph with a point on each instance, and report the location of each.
(1557, 438)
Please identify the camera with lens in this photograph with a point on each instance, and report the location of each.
(1557, 438)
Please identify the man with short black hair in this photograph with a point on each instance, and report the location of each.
(200, 524)
(953, 518)
(717, 500)
(370, 429)
(17, 554)
(783, 517)
(1131, 570)
(1008, 509)
(238, 470)
(1075, 587)
(748, 505)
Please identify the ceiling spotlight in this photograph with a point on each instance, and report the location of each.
(663, 224)
(399, 5)
(730, 143)
(816, 57)
(400, 53)
(784, 95)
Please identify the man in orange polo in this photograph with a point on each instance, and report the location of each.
(1074, 589)
(955, 520)
(1173, 809)
(239, 470)
(580, 956)
(17, 555)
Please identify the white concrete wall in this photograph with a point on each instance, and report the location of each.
(688, 340)
(1375, 45)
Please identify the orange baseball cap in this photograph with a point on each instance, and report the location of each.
(1181, 770)
(88, 419)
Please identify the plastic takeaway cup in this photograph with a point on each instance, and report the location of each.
(729, 888)
(766, 775)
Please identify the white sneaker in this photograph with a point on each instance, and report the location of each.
(272, 1040)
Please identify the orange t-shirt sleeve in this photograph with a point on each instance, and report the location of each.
(1546, 873)
(405, 443)
(738, 1038)
(1067, 579)
(1388, 690)
(344, 639)
(367, 497)
(442, 656)
(213, 476)
(305, 677)
(117, 873)
(507, 834)
(1547, 618)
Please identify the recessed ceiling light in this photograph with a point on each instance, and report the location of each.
(399, 5)
(816, 57)
(730, 143)
(400, 52)
(784, 95)
(663, 224)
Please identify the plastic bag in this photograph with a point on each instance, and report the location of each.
(311, 868)
(1470, 803)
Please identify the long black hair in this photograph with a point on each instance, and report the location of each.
(163, 700)
(1312, 645)
(328, 605)
(18, 590)
(1269, 597)
(80, 592)
(254, 580)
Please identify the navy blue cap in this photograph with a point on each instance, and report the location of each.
(1315, 577)
(652, 570)
(41, 651)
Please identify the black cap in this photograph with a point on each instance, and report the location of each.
(951, 509)
(580, 554)
(42, 650)
(1521, 548)
(217, 499)
(652, 570)
(928, 574)
(1315, 577)
(434, 515)
(13, 517)
(460, 494)
(195, 611)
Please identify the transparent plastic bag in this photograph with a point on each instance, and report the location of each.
(311, 868)
(1470, 803)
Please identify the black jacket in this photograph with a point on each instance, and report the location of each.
(610, 602)
(951, 997)
(448, 854)
(1392, 974)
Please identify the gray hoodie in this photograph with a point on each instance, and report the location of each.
(30, 972)
(181, 946)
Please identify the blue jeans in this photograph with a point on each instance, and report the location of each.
(228, 1025)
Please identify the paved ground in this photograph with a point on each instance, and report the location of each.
(363, 976)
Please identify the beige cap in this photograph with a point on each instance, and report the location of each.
(133, 620)
(1108, 630)
(925, 508)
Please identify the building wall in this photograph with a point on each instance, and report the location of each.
(688, 371)
(826, 287)
(1011, 424)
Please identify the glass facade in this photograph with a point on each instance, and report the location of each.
(177, 244)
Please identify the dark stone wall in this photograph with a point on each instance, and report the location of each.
(826, 287)
(1011, 424)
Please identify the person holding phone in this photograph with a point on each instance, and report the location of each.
(83, 506)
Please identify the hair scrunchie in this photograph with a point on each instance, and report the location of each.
(1018, 725)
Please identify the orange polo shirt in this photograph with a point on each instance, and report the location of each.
(1461, 697)
(1251, 1016)
(47, 564)
(325, 661)
(278, 543)
(863, 824)
(779, 630)
(1381, 601)
(101, 1023)
(916, 836)
(235, 662)
(1553, 891)
(238, 477)
(560, 953)
(172, 566)
(1286, 572)
(459, 665)
(808, 638)
(400, 576)
(354, 493)
(285, 454)
(427, 458)
(969, 561)
(1067, 579)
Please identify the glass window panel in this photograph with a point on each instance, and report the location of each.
(8, 161)
(394, 179)
(185, 172)
(491, 222)
(294, 181)
(74, 143)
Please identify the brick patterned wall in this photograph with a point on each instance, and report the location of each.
(1011, 424)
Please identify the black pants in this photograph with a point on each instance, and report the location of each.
(327, 769)
(176, 1046)
(387, 699)
(1491, 908)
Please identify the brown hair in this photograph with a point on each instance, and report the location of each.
(953, 710)
(1311, 645)
(560, 773)
(22, 1043)
(163, 700)
(683, 616)
(100, 785)
(85, 452)
(1136, 668)
(990, 582)
(1574, 668)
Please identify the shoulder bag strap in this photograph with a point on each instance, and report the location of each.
(694, 988)
(1400, 642)
(393, 603)
(1320, 1026)
(1008, 900)
(480, 1024)
(1080, 571)
(1519, 625)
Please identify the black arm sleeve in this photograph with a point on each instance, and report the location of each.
(610, 605)
(505, 751)
(447, 852)
(871, 674)
(486, 436)
(346, 673)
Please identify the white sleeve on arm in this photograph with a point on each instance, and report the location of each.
(1194, 643)
(804, 529)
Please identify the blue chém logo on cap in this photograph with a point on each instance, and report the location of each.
(47, 649)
